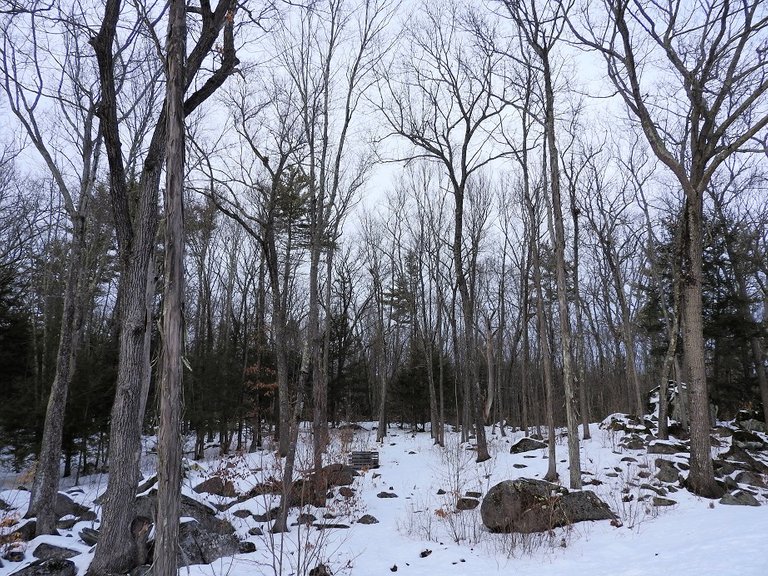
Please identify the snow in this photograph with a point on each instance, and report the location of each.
(694, 537)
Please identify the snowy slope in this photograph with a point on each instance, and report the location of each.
(693, 537)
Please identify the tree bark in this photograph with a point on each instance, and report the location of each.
(136, 230)
(574, 457)
(169, 449)
(701, 478)
(46, 482)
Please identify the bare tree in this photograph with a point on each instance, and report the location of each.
(169, 441)
(542, 25)
(710, 103)
(72, 91)
(313, 61)
(447, 102)
(736, 229)
(136, 229)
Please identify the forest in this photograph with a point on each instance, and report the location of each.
(219, 220)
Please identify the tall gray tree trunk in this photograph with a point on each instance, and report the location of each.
(701, 478)
(46, 482)
(136, 228)
(574, 457)
(169, 447)
(471, 377)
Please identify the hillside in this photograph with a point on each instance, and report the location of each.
(661, 528)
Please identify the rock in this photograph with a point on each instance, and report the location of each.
(87, 516)
(528, 505)
(737, 454)
(467, 503)
(519, 466)
(264, 488)
(743, 415)
(751, 479)
(748, 440)
(666, 447)
(739, 498)
(48, 551)
(256, 531)
(628, 459)
(722, 431)
(368, 519)
(659, 501)
(440, 492)
(346, 491)
(268, 516)
(472, 494)
(583, 505)
(320, 570)
(305, 518)
(723, 468)
(146, 506)
(53, 567)
(14, 555)
(632, 442)
(753, 425)
(667, 471)
(200, 546)
(526, 445)
(24, 532)
(66, 506)
(386, 495)
(66, 524)
(147, 484)
(338, 475)
(217, 486)
(242, 513)
(246, 547)
(314, 489)
(328, 525)
(89, 536)
(657, 489)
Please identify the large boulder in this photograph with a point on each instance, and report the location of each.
(740, 458)
(583, 505)
(146, 506)
(528, 505)
(200, 546)
(748, 440)
(526, 445)
(739, 498)
(667, 471)
(65, 506)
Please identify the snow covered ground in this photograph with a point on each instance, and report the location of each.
(419, 532)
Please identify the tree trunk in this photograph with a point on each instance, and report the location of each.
(169, 449)
(473, 394)
(489, 359)
(574, 457)
(46, 482)
(701, 478)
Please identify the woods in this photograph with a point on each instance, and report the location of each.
(219, 221)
